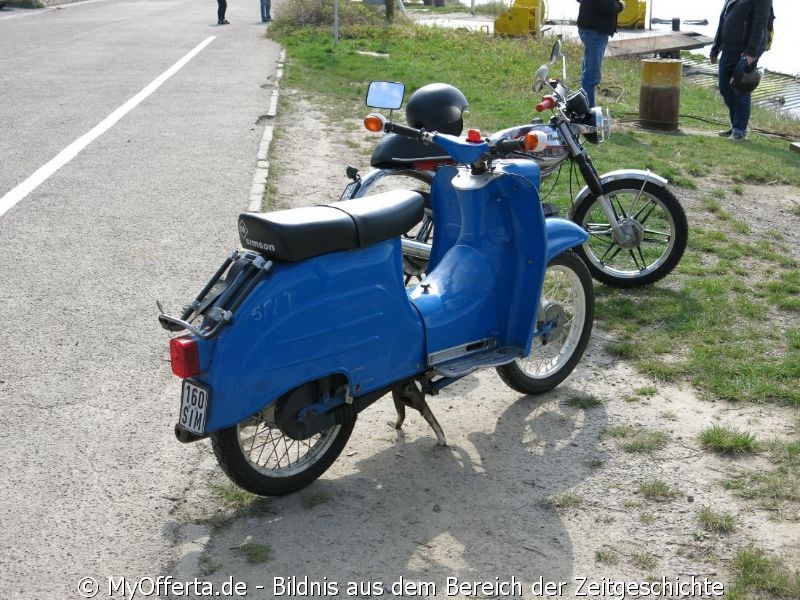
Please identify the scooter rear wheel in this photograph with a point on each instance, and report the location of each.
(568, 304)
(261, 459)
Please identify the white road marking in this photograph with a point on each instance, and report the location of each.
(67, 154)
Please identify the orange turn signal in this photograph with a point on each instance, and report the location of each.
(535, 141)
(374, 123)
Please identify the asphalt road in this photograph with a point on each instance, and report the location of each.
(91, 472)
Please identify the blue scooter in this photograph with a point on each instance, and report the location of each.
(310, 322)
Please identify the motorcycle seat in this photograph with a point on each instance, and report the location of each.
(300, 233)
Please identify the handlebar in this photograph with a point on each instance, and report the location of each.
(547, 103)
(405, 131)
(508, 146)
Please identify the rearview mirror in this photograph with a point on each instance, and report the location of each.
(555, 53)
(540, 78)
(385, 94)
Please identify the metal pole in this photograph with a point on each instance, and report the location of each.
(335, 22)
(650, 25)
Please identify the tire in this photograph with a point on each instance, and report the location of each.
(289, 465)
(568, 295)
(382, 180)
(659, 226)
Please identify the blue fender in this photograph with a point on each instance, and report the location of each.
(562, 235)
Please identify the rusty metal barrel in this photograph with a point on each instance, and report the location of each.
(660, 93)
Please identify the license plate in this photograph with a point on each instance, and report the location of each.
(194, 406)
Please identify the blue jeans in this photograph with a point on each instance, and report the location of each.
(594, 47)
(738, 104)
(265, 6)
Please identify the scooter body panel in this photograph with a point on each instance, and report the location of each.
(341, 313)
(482, 287)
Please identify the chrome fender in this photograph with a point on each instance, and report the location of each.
(562, 235)
(636, 174)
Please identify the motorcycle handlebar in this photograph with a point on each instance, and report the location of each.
(547, 103)
(508, 146)
(403, 130)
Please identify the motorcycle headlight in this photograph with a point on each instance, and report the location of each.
(599, 123)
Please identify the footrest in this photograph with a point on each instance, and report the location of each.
(491, 358)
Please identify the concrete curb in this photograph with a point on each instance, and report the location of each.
(261, 174)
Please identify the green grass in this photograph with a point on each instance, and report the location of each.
(635, 439)
(759, 576)
(255, 553)
(727, 440)
(562, 501)
(657, 490)
(776, 489)
(606, 557)
(716, 521)
(583, 401)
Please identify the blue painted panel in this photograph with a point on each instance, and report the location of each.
(345, 312)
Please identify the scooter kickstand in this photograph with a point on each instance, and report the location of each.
(408, 394)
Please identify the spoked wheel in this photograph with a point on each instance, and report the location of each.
(261, 459)
(383, 180)
(658, 232)
(566, 316)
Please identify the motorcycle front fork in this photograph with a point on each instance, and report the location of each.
(625, 231)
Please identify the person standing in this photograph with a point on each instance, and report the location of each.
(222, 6)
(597, 21)
(265, 7)
(741, 33)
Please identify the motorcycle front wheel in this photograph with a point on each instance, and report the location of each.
(261, 459)
(656, 223)
(567, 308)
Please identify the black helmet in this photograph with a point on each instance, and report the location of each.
(745, 77)
(437, 107)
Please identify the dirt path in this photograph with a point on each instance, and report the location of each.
(530, 488)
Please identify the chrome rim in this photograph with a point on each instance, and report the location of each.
(562, 288)
(272, 453)
(647, 215)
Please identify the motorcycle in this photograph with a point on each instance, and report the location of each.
(310, 322)
(638, 229)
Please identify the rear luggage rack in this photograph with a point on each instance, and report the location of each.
(244, 271)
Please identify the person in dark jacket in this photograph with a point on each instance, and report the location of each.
(597, 21)
(742, 32)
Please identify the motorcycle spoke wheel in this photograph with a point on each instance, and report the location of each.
(260, 458)
(568, 301)
(656, 221)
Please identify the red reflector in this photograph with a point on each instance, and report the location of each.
(474, 136)
(184, 356)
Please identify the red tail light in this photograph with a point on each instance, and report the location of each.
(184, 356)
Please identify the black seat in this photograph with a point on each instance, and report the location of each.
(300, 233)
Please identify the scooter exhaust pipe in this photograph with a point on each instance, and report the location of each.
(416, 249)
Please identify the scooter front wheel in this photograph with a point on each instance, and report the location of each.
(567, 311)
(657, 230)
(261, 459)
